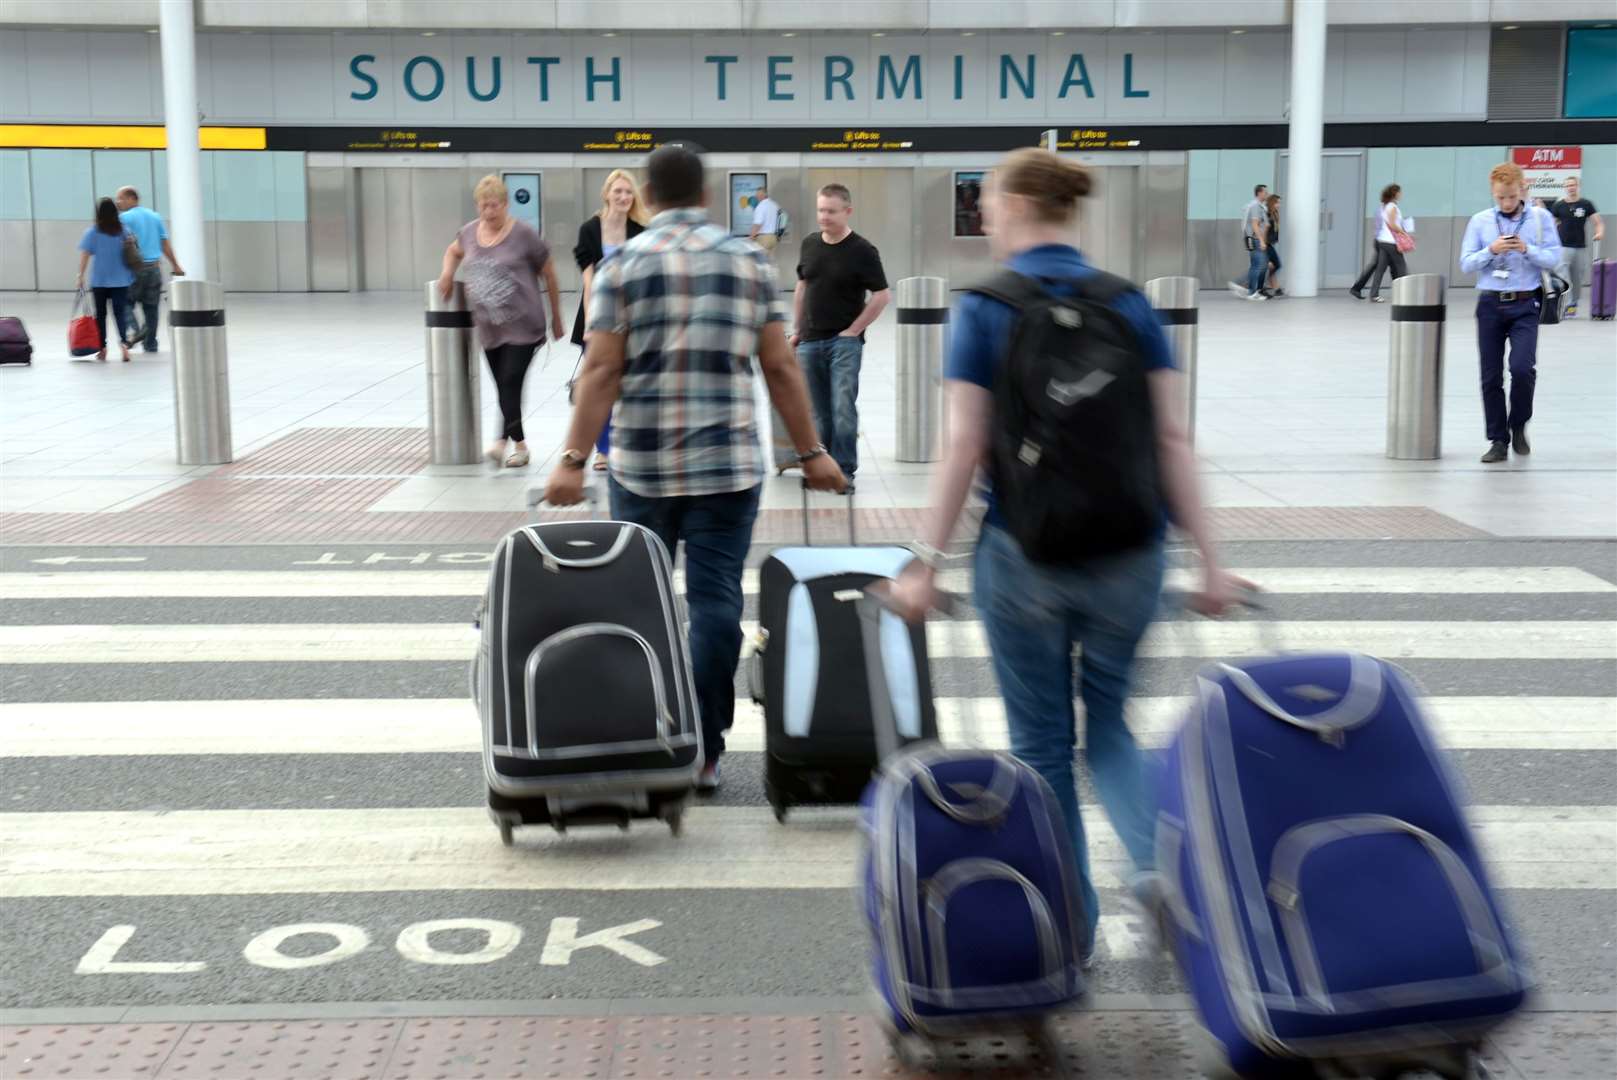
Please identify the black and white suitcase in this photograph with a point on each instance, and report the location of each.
(808, 670)
(583, 680)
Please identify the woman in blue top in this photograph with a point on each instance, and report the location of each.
(1033, 613)
(110, 276)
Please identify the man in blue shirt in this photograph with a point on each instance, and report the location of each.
(152, 237)
(1509, 247)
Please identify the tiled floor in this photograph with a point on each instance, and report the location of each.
(1291, 413)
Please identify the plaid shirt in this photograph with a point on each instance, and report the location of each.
(690, 300)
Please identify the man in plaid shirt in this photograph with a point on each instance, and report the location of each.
(675, 319)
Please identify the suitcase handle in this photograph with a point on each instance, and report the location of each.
(875, 600)
(852, 542)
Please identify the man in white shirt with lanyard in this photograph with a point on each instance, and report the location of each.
(1509, 247)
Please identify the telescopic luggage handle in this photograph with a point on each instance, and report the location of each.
(875, 599)
(807, 542)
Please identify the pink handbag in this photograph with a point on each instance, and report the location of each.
(1405, 242)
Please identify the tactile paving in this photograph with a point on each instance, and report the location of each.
(80, 1051)
(702, 1047)
(486, 1048)
(284, 1050)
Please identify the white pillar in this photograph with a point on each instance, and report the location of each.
(1306, 140)
(177, 22)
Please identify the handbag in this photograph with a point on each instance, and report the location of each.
(1405, 242)
(1554, 295)
(132, 257)
(83, 338)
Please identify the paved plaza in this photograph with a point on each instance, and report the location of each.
(243, 833)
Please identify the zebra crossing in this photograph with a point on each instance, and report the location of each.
(245, 808)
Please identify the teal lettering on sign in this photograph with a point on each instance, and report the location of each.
(1128, 78)
(778, 78)
(959, 77)
(353, 66)
(719, 62)
(845, 76)
(1077, 75)
(885, 75)
(471, 80)
(590, 79)
(543, 63)
(1009, 70)
(437, 76)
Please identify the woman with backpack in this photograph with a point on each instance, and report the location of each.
(1070, 403)
(102, 252)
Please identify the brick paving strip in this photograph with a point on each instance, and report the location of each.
(1129, 1036)
(315, 485)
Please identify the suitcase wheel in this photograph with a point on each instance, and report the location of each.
(674, 815)
(777, 801)
(506, 832)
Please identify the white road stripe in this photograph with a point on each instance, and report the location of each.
(1447, 580)
(236, 852)
(394, 642)
(450, 725)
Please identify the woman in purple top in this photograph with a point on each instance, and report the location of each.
(504, 259)
(101, 253)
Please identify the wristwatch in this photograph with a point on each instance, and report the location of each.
(573, 459)
(812, 452)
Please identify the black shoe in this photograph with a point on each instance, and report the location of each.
(1497, 452)
(1518, 441)
(1356, 294)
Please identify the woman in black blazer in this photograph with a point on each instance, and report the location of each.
(621, 218)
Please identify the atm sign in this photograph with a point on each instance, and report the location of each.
(1548, 157)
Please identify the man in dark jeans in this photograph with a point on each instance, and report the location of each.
(835, 270)
(675, 319)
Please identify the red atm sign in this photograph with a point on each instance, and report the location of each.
(1548, 157)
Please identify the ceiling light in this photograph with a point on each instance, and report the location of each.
(968, 33)
(429, 33)
(1237, 31)
(610, 33)
(1510, 28)
(1058, 33)
(878, 33)
(790, 33)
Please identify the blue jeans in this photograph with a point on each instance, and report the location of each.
(118, 296)
(717, 530)
(1257, 268)
(831, 367)
(1033, 616)
(1517, 323)
(603, 445)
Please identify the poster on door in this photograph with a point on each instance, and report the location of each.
(1547, 168)
(746, 192)
(524, 205)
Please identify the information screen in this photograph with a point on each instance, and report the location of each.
(968, 203)
(746, 192)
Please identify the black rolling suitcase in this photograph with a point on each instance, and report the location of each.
(808, 670)
(583, 680)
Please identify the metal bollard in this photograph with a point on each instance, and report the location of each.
(1415, 368)
(196, 321)
(1174, 299)
(923, 311)
(454, 389)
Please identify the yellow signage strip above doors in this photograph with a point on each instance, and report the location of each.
(122, 137)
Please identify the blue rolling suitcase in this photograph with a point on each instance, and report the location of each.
(968, 885)
(1325, 898)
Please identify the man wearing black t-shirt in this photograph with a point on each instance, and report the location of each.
(1574, 216)
(835, 270)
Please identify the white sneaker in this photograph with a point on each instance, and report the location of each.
(517, 459)
(1238, 289)
(1256, 296)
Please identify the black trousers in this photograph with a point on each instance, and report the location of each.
(509, 366)
(1387, 257)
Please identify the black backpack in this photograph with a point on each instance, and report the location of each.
(1073, 450)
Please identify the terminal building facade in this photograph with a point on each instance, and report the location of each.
(341, 140)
